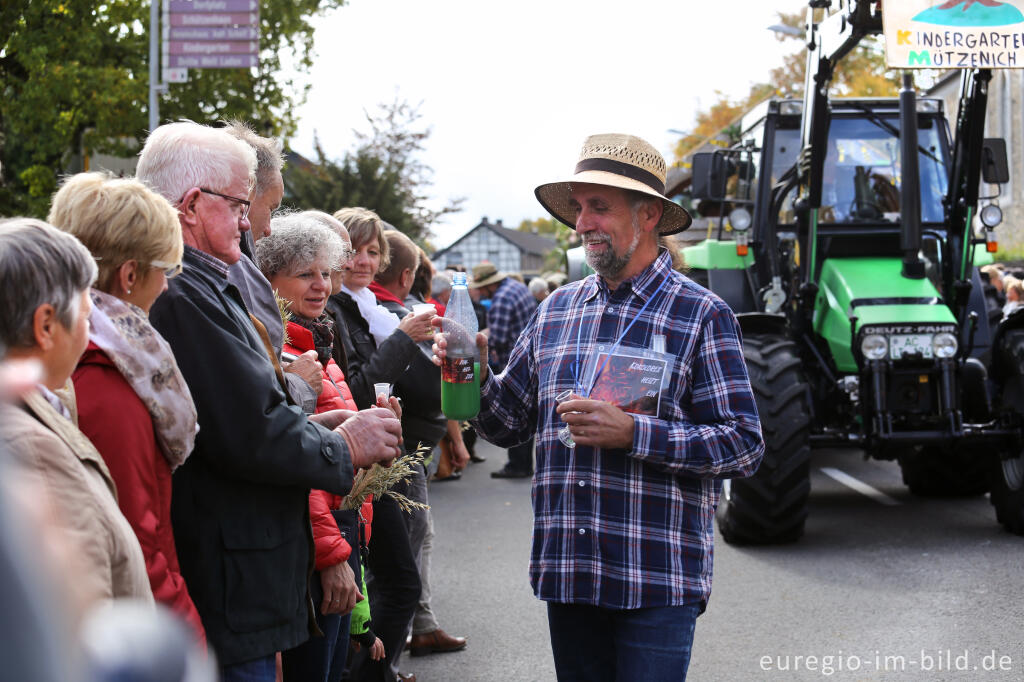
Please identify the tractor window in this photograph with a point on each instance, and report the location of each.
(785, 149)
(861, 182)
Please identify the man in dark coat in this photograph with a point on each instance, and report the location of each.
(240, 503)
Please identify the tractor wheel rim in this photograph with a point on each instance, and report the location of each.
(1013, 472)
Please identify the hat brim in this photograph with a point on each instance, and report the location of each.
(496, 277)
(555, 198)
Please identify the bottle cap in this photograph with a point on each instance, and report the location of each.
(459, 279)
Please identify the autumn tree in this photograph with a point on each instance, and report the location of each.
(862, 73)
(383, 173)
(549, 227)
(74, 78)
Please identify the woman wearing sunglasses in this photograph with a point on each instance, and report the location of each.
(133, 403)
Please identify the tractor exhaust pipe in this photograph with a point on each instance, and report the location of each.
(910, 183)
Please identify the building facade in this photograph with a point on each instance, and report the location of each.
(509, 250)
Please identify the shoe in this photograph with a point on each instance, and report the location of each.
(436, 642)
(453, 476)
(406, 677)
(473, 457)
(508, 472)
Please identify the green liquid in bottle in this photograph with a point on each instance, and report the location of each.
(460, 400)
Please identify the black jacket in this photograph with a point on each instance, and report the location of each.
(240, 504)
(398, 361)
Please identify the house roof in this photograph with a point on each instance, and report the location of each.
(524, 241)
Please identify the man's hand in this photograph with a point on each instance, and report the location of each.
(331, 419)
(308, 367)
(418, 327)
(460, 454)
(390, 403)
(340, 589)
(440, 346)
(373, 435)
(597, 423)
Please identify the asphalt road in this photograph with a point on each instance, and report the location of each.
(883, 586)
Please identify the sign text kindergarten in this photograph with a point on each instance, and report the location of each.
(928, 34)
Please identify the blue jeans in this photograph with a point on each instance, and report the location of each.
(259, 670)
(312, 660)
(594, 644)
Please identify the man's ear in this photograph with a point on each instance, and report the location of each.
(44, 326)
(650, 215)
(405, 279)
(187, 212)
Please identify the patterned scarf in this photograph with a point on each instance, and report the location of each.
(322, 329)
(145, 360)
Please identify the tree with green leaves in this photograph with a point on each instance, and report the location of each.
(383, 173)
(74, 79)
(549, 227)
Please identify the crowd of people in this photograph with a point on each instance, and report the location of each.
(219, 379)
(210, 389)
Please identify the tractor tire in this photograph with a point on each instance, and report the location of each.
(944, 472)
(770, 507)
(1007, 480)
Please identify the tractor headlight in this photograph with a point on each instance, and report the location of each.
(991, 215)
(874, 346)
(740, 219)
(944, 345)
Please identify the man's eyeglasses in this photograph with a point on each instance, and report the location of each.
(245, 204)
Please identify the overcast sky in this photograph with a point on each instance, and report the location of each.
(510, 90)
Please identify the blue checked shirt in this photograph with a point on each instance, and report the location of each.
(511, 309)
(628, 529)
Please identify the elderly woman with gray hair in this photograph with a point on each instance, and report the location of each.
(45, 277)
(298, 256)
(133, 403)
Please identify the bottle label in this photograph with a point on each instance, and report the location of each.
(457, 370)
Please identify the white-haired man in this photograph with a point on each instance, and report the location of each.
(662, 411)
(240, 503)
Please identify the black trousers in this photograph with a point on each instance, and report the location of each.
(395, 587)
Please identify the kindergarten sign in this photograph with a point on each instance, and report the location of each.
(954, 34)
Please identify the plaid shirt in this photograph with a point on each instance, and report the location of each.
(511, 309)
(627, 529)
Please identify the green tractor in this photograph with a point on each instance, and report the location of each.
(850, 260)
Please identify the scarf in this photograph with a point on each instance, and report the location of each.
(382, 323)
(322, 329)
(145, 360)
(383, 295)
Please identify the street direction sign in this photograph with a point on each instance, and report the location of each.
(217, 61)
(212, 33)
(208, 47)
(214, 19)
(214, 5)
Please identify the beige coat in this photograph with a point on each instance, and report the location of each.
(82, 496)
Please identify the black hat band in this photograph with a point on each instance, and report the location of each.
(619, 168)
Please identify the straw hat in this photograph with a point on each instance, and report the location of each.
(616, 160)
(485, 274)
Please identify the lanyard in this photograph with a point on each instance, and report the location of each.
(575, 367)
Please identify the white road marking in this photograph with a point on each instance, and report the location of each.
(860, 486)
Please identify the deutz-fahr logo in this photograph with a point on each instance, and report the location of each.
(911, 329)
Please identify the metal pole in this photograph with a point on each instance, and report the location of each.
(154, 65)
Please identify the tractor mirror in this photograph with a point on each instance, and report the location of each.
(710, 171)
(994, 168)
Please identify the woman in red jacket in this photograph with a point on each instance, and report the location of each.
(298, 257)
(133, 403)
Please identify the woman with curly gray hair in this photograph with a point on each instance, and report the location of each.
(298, 256)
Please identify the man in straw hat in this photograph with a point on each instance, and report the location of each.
(623, 509)
(511, 308)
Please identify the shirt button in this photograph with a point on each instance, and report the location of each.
(610, 309)
(582, 483)
(582, 531)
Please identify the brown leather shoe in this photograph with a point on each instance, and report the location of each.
(436, 642)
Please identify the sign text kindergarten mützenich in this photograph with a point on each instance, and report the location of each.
(928, 34)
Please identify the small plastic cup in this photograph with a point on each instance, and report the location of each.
(564, 434)
(382, 390)
(424, 308)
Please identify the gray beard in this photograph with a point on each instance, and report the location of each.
(610, 264)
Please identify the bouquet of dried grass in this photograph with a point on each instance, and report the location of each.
(286, 314)
(378, 480)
